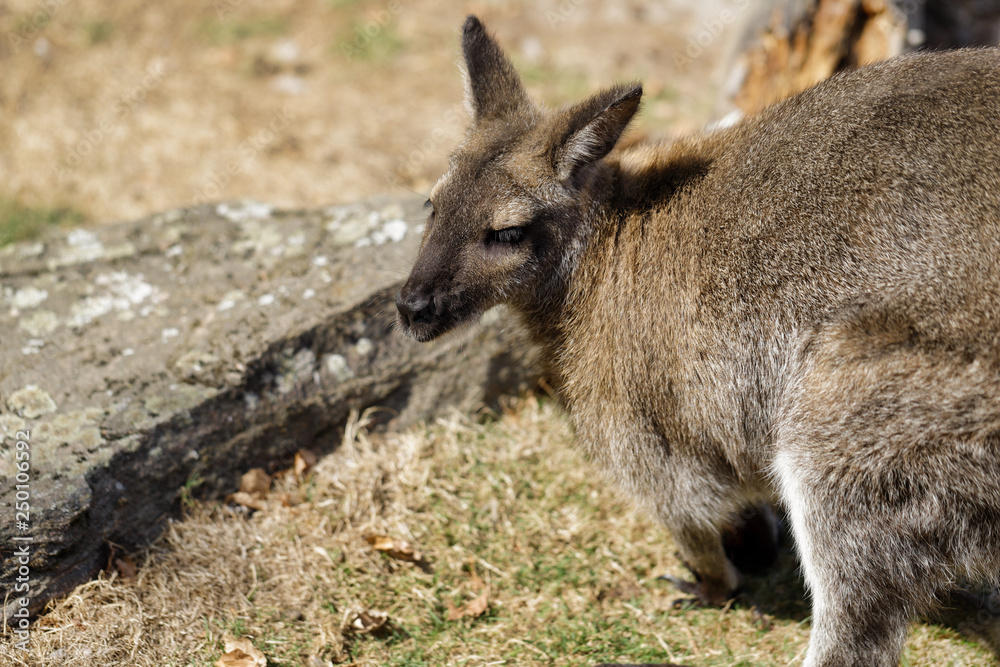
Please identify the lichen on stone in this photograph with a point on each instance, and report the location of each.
(296, 367)
(119, 250)
(336, 365)
(11, 424)
(28, 297)
(363, 347)
(39, 323)
(120, 291)
(82, 245)
(179, 398)
(257, 238)
(89, 309)
(31, 402)
(350, 231)
(244, 210)
(338, 215)
(195, 364)
(391, 231)
(78, 428)
(230, 299)
(391, 211)
(32, 346)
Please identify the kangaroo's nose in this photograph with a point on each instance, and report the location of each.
(415, 309)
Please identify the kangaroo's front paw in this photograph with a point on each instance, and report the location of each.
(706, 593)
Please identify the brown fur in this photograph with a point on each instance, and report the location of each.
(804, 308)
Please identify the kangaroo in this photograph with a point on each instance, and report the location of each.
(802, 308)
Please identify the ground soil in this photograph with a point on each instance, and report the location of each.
(117, 110)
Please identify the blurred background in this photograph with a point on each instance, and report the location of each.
(111, 111)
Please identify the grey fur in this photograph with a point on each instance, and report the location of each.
(804, 307)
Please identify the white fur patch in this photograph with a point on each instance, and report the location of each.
(789, 477)
(581, 148)
(467, 97)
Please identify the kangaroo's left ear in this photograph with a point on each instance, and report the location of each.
(493, 88)
(593, 127)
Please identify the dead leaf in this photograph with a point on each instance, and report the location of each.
(472, 609)
(256, 482)
(254, 487)
(290, 499)
(304, 462)
(475, 582)
(395, 547)
(236, 658)
(126, 567)
(240, 652)
(247, 500)
(364, 621)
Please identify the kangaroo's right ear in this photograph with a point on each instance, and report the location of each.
(493, 88)
(592, 128)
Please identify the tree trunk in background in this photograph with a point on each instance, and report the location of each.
(801, 47)
(794, 44)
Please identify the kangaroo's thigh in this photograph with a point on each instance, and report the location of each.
(858, 571)
(887, 461)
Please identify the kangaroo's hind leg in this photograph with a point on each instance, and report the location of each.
(861, 603)
(888, 464)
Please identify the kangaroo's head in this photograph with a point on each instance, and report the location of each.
(508, 219)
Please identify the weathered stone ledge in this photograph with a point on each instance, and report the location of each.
(195, 344)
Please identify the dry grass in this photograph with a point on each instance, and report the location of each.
(507, 504)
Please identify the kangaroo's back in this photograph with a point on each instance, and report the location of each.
(879, 182)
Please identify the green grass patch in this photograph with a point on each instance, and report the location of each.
(556, 86)
(225, 32)
(98, 32)
(343, 4)
(370, 41)
(19, 222)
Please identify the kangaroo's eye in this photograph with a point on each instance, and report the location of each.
(429, 207)
(508, 236)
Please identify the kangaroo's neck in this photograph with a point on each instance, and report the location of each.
(616, 199)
